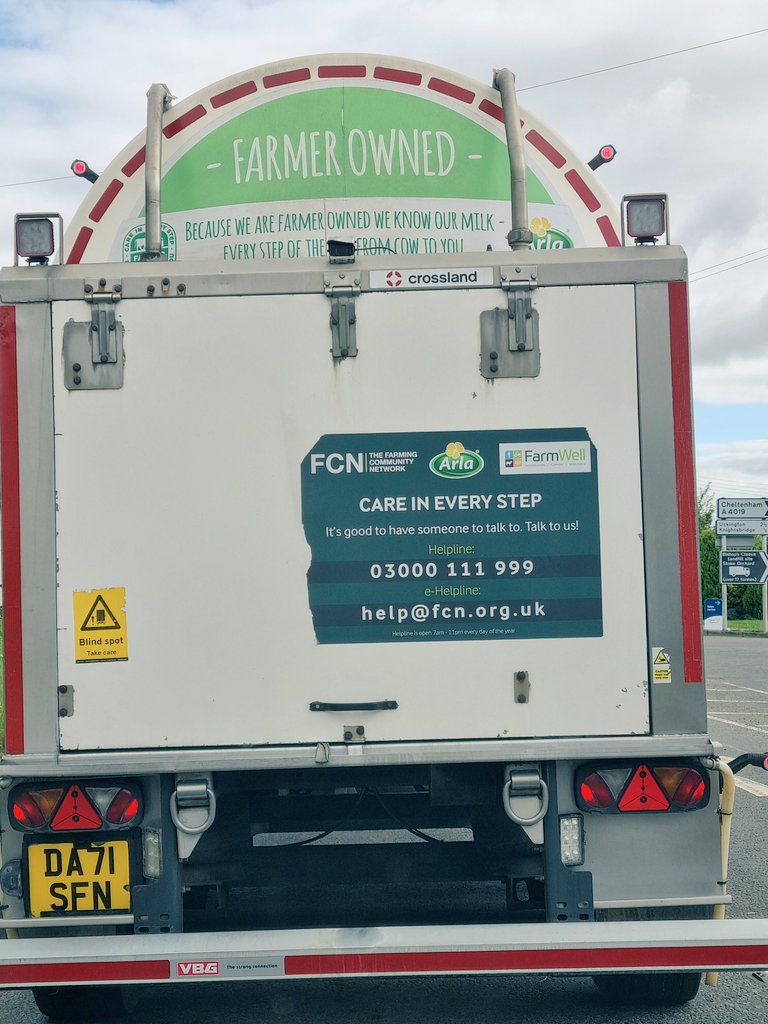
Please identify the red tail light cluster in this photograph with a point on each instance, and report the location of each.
(74, 806)
(627, 788)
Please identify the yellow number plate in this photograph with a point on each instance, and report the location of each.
(79, 878)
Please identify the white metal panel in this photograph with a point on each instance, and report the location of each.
(184, 488)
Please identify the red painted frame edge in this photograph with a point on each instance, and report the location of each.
(685, 474)
(11, 533)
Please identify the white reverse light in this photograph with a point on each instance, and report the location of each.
(572, 840)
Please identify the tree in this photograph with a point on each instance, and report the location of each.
(709, 558)
(705, 507)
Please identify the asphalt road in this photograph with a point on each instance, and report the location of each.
(737, 671)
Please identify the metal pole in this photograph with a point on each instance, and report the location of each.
(520, 236)
(158, 100)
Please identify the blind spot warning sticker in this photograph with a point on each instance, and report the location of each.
(101, 627)
(662, 666)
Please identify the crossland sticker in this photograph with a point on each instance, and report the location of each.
(430, 277)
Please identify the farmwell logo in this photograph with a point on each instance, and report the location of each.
(456, 463)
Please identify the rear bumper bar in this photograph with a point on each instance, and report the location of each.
(588, 948)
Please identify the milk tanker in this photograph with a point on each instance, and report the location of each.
(352, 617)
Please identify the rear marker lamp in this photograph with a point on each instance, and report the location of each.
(73, 807)
(81, 170)
(572, 840)
(603, 156)
(641, 788)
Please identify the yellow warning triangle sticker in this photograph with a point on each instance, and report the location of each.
(99, 617)
(662, 658)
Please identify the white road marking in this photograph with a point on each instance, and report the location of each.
(755, 788)
(734, 700)
(733, 688)
(739, 725)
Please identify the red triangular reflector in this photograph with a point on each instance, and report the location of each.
(75, 812)
(643, 793)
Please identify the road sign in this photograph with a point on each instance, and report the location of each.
(743, 567)
(743, 508)
(741, 527)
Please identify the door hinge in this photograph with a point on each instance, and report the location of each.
(93, 350)
(510, 336)
(342, 290)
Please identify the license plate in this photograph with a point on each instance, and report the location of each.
(79, 878)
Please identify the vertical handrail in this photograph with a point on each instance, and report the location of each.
(520, 236)
(158, 100)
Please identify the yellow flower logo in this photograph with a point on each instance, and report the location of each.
(454, 449)
(540, 226)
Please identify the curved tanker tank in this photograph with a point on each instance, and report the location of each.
(396, 155)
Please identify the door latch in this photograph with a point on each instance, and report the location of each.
(93, 350)
(509, 337)
(342, 292)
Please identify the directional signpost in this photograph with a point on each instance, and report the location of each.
(743, 567)
(743, 508)
(739, 527)
(743, 517)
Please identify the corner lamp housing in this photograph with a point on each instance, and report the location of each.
(36, 238)
(645, 218)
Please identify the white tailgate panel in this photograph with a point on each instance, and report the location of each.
(184, 487)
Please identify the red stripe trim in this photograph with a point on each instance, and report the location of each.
(493, 109)
(174, 127)
(82, 240)
(106, 200)
(682, 413)
(287, 78)
(396, 75)
(136, 161)
(483, 961)
(11, 533)
(583, 191)
(545, 148)
(342, 71)
(449, 89)
(608, 231)
(221, 99)
(116, 970)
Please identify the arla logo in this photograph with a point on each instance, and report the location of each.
(547, 237)
(195, 968)
(456, 462)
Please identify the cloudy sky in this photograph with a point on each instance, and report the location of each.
(74, 76)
